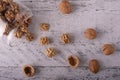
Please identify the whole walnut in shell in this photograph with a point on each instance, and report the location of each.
(90, 33)
(65, 7)
(94, 66)
(108, 49)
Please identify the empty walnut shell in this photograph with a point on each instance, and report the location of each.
(90, 33)
(73, 61)
(28, 70)
(108, 49)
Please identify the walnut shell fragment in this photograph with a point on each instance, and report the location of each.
(28, 70)
(73, 61)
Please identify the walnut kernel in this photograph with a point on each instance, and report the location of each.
(44, 26)
(29, 36)
(65, 38)
(44, 41)
(50, 52)
(10, 15)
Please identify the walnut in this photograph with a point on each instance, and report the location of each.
(16, 24)
(65, 7)
(14, 7)
(28, 70)
(44, 41)
(19, 33)
(7, 1)
(29, 36)
(90, 33)
(44, 26)
(8, 28)
(94, 66)
(23, 29)
(108, 49)
(50, 52)
(65, 38)
(73, 61)
(10, 16)
(2, 6)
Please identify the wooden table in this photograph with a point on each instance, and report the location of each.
(103, 15)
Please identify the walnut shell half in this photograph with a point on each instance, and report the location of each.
(28, 70)
(73, 61)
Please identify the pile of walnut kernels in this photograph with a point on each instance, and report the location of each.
(10, 13)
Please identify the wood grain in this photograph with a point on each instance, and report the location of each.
(103, 15)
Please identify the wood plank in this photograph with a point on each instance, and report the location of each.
(60, 73)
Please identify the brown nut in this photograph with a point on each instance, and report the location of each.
(44, 40)
(29, 36)
(2, 6)
(9, 27)
(65, 38)
(44, 26)
(50, 52)
(73, 61)
(28, 70)
(9, 15)
(90, 33)
(108, 49)
(19, 33)
(94, 66)
(15, 7)
(65, 7)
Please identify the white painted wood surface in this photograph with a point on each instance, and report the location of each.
(103, 15)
